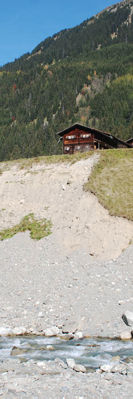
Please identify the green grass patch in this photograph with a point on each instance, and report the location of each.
(38, 228)
(111, 181)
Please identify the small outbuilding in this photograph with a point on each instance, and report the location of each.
(82, 138)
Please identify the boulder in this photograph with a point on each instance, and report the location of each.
(119, 368)
(126, 335)
(106, 367)
(5, 331)
(70, 363)
(114, 367)
(127, 317)
(19, 331)
(79, 368)
(78, 335)
(51, 332)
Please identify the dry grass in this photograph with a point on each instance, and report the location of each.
(53, 159)
(112, 182)
(27, 163)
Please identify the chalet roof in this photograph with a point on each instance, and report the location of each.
(129, 140)
(79, 126)
(104, 135)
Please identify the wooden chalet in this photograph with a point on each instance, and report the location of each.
(82, 138)
(130, 142)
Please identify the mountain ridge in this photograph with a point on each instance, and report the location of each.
(82, 74)
(43, 45)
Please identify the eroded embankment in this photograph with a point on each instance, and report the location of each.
(55, 192)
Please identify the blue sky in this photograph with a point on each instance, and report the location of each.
(24, 24)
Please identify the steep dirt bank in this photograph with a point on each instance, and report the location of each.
(56, 192)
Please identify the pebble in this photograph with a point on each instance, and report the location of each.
(50, 348)
(40, 314)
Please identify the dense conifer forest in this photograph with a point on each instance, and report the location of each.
(84, 74)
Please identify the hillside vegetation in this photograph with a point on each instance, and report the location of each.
(112, 182)
(83, 74)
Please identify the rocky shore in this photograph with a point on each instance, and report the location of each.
(54, 380)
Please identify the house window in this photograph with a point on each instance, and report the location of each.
(85, 135)
(71, 137)
(66, 148)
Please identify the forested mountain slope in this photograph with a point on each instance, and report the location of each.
(83, 74)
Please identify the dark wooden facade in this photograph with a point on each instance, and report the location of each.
(130, 142)
(82, 138)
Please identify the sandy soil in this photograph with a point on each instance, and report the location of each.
(78, 279)
(56, 192)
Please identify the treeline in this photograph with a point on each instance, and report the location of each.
(69, 78)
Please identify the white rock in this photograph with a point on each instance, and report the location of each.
(50, 348)
(120, 302)
(41, 364)
(51, 332)
(79, 368)
(106, 368)
(70, 363)
(119, 368)
(19, 331)
(125, 335)
(114, 367)
(127, 317)
(5, 331)
(78, 335)
(40, 314)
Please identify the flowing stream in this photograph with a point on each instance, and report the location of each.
(92, 353)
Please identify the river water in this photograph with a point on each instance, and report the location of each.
(92, 353)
